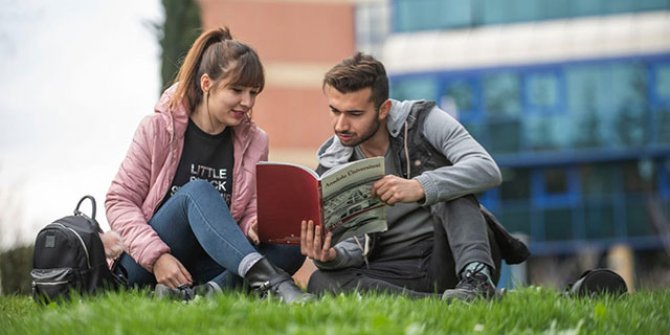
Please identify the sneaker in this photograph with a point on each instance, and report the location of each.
(183, 293)
(207, 290)
(473, 285)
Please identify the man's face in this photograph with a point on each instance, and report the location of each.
(354, 117)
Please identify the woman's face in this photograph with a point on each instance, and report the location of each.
(228, 104)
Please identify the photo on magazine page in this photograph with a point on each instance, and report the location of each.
(354, 211)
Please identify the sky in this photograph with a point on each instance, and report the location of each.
(77, 76)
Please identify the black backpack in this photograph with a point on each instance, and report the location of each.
(70, 258)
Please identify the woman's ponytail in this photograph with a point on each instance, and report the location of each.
(188, 72)
(213, 53)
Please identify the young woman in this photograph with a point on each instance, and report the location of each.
(184, 198)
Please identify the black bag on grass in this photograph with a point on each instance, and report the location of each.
(598, 281)
(69, 257)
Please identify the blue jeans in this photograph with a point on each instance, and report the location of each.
(196, 223)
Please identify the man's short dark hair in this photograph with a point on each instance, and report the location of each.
(358, 72)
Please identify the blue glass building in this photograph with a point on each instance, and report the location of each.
(571, 97)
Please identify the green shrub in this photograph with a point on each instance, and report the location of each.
(15, 266)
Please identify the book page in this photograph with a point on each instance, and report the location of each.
(348, 205)
(344, 176)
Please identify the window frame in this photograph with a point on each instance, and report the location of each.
(559, 107)
(475, 114)
(542, 199)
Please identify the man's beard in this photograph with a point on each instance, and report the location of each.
(373, 130)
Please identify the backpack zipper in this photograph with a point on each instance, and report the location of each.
(51, 283)
(88, 261)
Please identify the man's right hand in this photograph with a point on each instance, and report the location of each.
(311, 245)
(170, 272)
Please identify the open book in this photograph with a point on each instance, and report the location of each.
(341, 200)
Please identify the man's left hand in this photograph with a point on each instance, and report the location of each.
(392, 189)
(310, 242)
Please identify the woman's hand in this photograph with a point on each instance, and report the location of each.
(252, 233)
(170, 272)
(310, 242)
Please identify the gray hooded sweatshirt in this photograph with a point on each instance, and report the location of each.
(473, 170)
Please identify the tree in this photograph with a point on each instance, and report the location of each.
(181, 27)
(15, 259)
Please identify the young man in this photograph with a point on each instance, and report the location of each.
(437, 238)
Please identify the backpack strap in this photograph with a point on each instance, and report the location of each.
(91, 219)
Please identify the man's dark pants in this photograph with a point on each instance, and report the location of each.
(460, 236)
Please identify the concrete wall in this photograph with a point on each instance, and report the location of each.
(298, 41)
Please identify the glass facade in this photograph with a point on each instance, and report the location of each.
(584, 146)
(371, 26)
(415, 15)
(608, 105)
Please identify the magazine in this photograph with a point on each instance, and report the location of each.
(341, 200)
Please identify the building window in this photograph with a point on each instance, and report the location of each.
(555, 187)
(586, 96)
(599, 180)
(638, 177)
(548, 133)
(501, 95)
(636, 217)
(600, 220)
(555, 182)
(662, 125)
(504, 135)
(516, 184)
(502, 107)
(460, 99)
(609, 102)
(414, 15)
(372, 26)
(414, 88)
(542, 92)
(664, 181)
(662, 83)
(628, 87)
(516, 218)
(558, 224)
(660, 91)
(496, 12)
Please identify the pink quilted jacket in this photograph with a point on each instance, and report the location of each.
(150, 165)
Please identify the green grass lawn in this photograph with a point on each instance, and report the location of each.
(526, 311)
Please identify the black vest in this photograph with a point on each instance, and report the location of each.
(422, 155)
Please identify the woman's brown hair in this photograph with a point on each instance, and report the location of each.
(218, 55)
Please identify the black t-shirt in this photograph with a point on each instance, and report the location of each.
(208, 157)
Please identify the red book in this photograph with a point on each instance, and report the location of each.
(341, 200)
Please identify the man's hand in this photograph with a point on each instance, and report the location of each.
(392, 189)
(310, 242)
(252, 233)
(170, 272)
